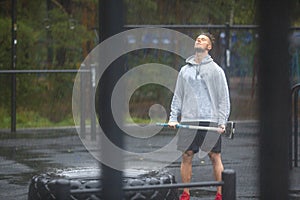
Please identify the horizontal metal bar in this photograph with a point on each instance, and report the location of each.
(195, 26)
(205, 128)
(177, 185)
(37, 71)
(156, 187)
(178, 26)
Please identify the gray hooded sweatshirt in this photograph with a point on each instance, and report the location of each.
(201, 93)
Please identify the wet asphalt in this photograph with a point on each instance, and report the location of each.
(35, 151)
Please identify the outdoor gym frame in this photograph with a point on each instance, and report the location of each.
(13, 71)
(228, 184)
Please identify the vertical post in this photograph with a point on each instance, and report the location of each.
(229, 187)
(111, 23)
(295, 123)
(92, 88)
(13, 65)
(63, 189)
(296, 95)
(49, 37)
(227, 46)
(274, 99)
(82, 102)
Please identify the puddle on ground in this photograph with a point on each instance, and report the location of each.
(20, 161)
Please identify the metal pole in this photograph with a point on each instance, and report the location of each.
(296, 128)
(13, 64)
(111, 23)
(82, 103)
(274, 99)
(229, 187)
(63, 189)
(49, 36)
(92, 88)
(295, 93)
(227, 47)
(157, 187)
(210, 26)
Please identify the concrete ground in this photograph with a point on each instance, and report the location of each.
(31, 152)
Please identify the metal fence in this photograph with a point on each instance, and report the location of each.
(226, 56)
(84, 71)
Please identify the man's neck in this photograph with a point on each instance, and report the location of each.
(199, 56)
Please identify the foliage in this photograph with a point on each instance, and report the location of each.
(32, 119)
(58, 34)
(48, 37)
(190, 11)
(4, 43)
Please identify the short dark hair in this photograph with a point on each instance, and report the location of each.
(210, 36)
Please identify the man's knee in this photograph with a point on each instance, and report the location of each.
(215, 157)
(187, 156)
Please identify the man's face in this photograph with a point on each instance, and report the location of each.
(203, 42)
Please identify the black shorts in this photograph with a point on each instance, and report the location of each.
(207, 141)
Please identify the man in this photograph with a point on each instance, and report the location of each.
(201, 97)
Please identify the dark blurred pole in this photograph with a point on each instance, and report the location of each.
(274, 99)
(92, 90)
(295, 124)
(227, 52)
(227, 46)
(82, 102)
(13, 64)
(63, 187)
(49, 36)
(110, 23)
(229, 187)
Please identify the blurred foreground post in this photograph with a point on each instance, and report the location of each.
(274, 99)
(110, 23)
(229, 187)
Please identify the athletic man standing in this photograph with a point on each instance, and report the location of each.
(201, 97)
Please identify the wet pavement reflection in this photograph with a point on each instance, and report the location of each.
(36, 151)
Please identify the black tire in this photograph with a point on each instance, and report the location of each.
(49, 186)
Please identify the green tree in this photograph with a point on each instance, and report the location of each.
(50, 35)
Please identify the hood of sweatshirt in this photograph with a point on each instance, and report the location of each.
(191, 60)
(191, 63)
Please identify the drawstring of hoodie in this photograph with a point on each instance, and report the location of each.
(197, 68)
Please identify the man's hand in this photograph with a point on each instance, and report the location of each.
(222, 129)
(172, 124)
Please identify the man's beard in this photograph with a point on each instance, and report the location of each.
(199, 50)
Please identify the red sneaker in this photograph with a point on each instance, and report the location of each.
(185, 196)
(218, 196)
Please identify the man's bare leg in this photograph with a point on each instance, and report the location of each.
(186, 168)
(218, 168)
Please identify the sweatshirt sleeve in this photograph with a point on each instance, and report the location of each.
(223, 98)
(177, 100)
